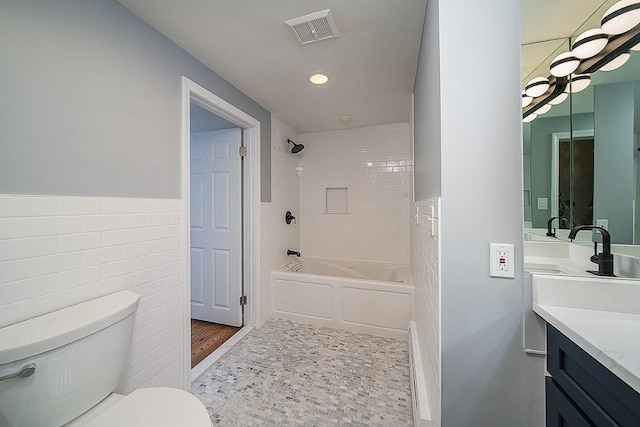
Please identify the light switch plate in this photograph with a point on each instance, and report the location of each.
(501, 258)
(543, 203)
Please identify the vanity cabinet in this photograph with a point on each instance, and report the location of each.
(583, 392)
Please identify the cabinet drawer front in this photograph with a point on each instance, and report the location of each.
(561, 411)
(586, 381)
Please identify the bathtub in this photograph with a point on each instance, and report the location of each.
(357, 296)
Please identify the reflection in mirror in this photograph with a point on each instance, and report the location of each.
(538, 143)
(581, 157)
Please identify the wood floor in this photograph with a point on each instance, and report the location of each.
(207, 337)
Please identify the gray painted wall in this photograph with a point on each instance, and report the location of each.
(91, 102)
(542, 130)
(486, 378)
(427, 110)
(614, 177)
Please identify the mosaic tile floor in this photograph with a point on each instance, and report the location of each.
(289, 374)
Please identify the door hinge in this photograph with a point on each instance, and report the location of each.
(243, 151)
(243, 300)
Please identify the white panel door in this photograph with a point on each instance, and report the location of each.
(216, 220)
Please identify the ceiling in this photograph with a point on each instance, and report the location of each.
(371, 66)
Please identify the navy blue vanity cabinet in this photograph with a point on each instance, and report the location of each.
(561, 411)
(582, 392)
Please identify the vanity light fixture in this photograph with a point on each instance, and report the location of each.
(564, 64)
(544, 109)
(617, 62)
(536, 87)
(610, 46)
(579, 83)
(590, 43)
(318, 78)
(621, 17)
(559, 99)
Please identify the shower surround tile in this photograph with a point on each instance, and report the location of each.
(374, 164)
(289, 374)
(276, 235)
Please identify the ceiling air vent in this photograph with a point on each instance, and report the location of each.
(314, 27)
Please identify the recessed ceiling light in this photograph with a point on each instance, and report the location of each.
(345, 118)
(318, 78)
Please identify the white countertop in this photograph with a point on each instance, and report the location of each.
(611, 338)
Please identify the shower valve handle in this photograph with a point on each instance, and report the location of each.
(288, 217)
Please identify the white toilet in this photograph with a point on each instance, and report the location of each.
(61, 369)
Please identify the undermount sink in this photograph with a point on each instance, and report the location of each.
(538, 237)
(540, 266)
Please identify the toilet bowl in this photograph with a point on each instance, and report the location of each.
(62, 368)
(155, 406)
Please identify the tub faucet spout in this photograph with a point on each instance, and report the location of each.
(604, 259)
(290, 252)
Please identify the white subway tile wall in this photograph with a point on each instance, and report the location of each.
(425, 264)
(375, 164)
(59, 251)
(276, 235)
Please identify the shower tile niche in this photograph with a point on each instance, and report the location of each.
(337, 200)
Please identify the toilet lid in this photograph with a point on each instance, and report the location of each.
(156, 406)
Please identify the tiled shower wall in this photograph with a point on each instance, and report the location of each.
(276, 235)
(59, 251)
(375, 165)
(425, 264)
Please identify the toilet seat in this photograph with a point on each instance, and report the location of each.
(156, 406)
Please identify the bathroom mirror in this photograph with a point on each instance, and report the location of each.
(580, 158)
(538, 137)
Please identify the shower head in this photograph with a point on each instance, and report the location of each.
(296, 147)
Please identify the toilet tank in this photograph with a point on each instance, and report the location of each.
(79, 354)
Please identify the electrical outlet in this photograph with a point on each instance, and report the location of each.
(502, 265)
(595, 234)
(501, 258)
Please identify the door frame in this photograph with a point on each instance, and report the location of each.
(251, 206)
(556, 137)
